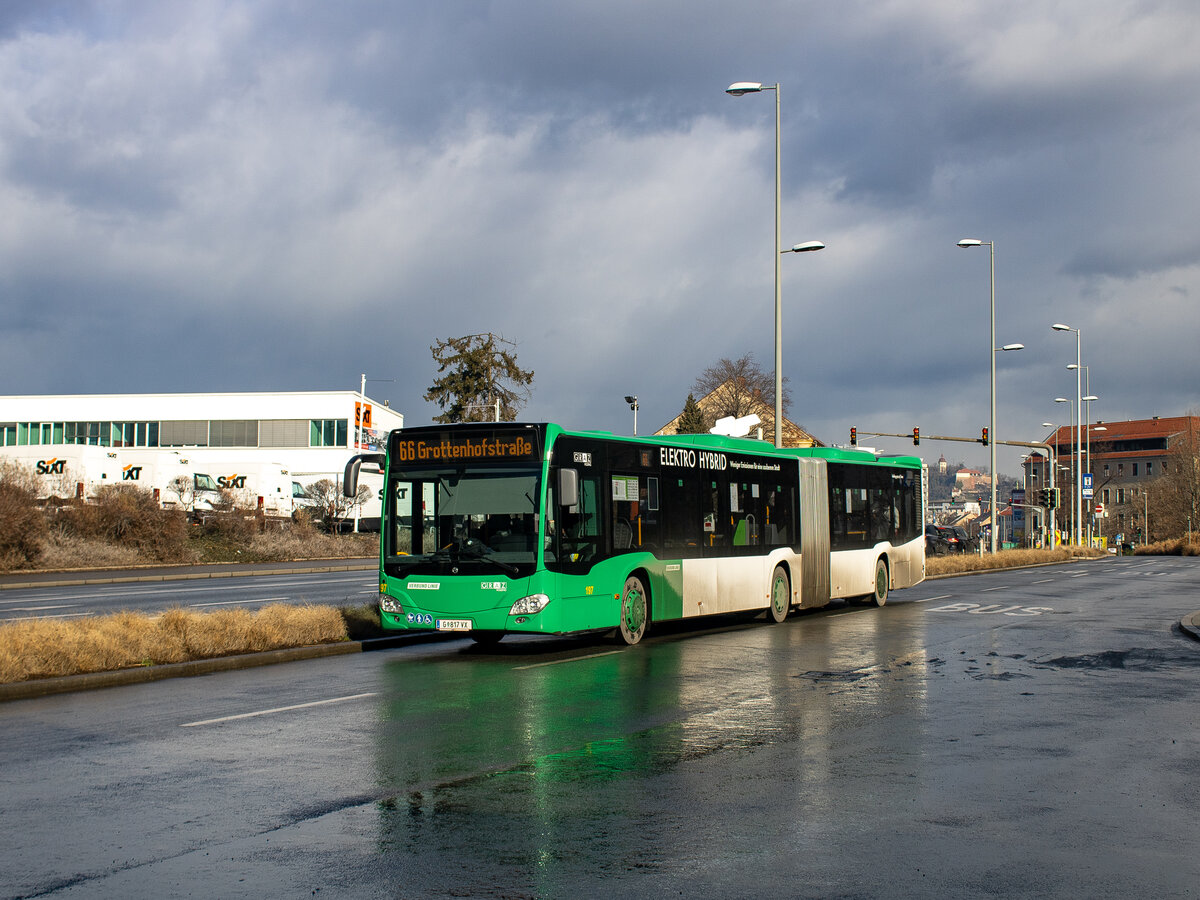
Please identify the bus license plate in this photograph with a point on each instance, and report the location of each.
(453, 624)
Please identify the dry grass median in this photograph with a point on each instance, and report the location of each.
(45, 648)
(1005, 559)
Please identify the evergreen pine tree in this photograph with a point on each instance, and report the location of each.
(692, 420)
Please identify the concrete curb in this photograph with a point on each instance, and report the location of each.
(1191, 625)
(25, 690)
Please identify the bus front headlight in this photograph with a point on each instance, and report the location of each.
(390, 604)
(527, 606)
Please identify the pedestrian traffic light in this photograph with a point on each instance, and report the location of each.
(853, 437)
(984, 437)
(916, 436)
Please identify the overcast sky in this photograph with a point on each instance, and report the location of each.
(282, 195)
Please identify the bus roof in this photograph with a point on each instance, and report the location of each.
(707, 441)
(751, 445)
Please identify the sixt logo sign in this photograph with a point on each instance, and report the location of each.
(232, 481)
(51, 466)
(131, 473)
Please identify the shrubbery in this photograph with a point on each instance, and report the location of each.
(22, 524)
(129, 516)
(124, 526)
(1177, 547)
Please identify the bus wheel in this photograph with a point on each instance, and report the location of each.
(781, 595)
(879, 598)
(634, 611)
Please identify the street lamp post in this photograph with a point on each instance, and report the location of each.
(632, 400)
(737, 89)
(1053, 471)
(1074, 468)
(1088, 454)
(1078, 435)
(1085, 415)
(992, 351)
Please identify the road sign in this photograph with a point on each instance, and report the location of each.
(1099, 509)
(1088, 493)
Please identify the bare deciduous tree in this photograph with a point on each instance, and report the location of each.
(183, 487)
(330, 505)
(1174, 498)
(737, 387)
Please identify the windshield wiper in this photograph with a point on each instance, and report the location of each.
(479, 550)
(471, 548)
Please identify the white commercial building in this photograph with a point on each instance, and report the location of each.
(255, 445)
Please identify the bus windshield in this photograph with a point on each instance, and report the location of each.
(462, 521)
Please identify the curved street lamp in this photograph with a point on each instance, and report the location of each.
(991, 245)
(738, 89)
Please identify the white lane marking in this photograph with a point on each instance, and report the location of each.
(40, 608)
(205, 588)
(1001, 588)
(278, 709)
(572, 659)
(34, 600)
(1044, 581)
(939, 597)
(238, 602)
(77, 615)
(106, 592)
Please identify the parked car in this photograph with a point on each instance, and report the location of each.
(935, 542)
(952, 539)
(967, 543)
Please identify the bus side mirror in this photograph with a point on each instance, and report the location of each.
(568, 487)
(350, 480)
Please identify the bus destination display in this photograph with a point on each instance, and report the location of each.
(474, 447)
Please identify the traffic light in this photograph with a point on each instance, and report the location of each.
(853, 437)
(1044, 497)
(1055, 498)
(984, 438)
(916, 436)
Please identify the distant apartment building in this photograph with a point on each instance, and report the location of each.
(1123, 458)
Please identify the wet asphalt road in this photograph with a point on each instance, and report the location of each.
(1024, 734)
(68, 601)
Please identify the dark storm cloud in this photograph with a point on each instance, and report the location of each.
(288, 194)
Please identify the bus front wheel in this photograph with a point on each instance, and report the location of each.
(635, 611)
(781, 595)
(880, 595)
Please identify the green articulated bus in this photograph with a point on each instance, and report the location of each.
(502, 528)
